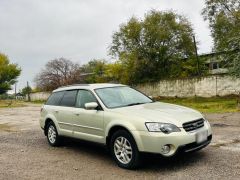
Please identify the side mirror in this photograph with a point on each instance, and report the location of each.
(91, 105)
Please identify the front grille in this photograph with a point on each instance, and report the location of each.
(192, 125)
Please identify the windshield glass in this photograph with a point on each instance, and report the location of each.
(121, 96)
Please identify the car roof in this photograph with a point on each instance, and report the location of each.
(87, 86)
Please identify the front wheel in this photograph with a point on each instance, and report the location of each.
(124, 150)
(52, 135)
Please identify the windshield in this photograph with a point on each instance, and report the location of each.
(121, 96)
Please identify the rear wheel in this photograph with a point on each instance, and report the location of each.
(124, 150)
(52, 134)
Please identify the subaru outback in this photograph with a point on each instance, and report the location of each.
(125, 120)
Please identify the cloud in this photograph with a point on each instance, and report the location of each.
(35, 31)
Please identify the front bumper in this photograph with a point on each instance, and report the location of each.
(153, 142)
(194, 146)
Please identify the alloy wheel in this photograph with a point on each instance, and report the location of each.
(123, 150)
(52, 134)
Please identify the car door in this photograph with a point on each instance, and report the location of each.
(88, 124)
(65, 112)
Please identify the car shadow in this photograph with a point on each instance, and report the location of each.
(180, 161)
(91, 148)
(150, 162)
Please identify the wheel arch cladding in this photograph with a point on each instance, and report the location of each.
(114, 129)
(48, 120)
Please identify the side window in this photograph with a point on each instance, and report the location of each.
(55, 98)
(84, 97)
(69, 98)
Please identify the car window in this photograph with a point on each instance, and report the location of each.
(114, 97)
(55, 98)
(84, 97)
(110, 97)
(69, 98)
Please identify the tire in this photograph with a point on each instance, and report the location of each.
(52, 134)
(124, 150)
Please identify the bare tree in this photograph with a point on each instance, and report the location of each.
(58, 72)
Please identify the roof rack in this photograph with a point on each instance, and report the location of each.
(74, 85)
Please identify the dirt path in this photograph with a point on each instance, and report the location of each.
(25, 154)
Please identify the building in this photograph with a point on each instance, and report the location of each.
(217, 62)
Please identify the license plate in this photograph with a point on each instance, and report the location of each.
(201, 136)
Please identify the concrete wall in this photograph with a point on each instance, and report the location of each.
(205, 87)
(39, 96)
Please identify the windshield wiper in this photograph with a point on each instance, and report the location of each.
(133, 104)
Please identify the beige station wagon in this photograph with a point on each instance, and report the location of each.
(125, 120)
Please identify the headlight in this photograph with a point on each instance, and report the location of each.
(208, 123)
(205, 119)
(161, 127)
(203, 116)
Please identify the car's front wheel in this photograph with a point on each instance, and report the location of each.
(52, 134)
(124, 150)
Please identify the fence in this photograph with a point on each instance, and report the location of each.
(216, 85)
(39, 96)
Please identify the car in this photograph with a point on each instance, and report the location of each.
(128, 122)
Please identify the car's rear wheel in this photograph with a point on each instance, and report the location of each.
(124, 150)
(52, 134)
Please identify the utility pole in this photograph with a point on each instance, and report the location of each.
(15, 89)
(196, 54)
(28, 92)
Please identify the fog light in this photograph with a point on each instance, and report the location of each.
(166, 149)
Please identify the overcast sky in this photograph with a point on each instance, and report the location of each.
(35, 31)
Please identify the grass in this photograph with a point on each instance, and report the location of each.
(17, 103)
(38, 102)
(206, 105)
(11, 103)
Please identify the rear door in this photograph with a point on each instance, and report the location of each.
(65, 112)
(52, 104)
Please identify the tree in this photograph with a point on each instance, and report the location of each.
(224, 21)
(8, 73)
(116, 72)
(94, 71)
(159, 46)
(58, 72)
(26, 90)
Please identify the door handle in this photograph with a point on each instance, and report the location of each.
(56, 111)
(77, 114)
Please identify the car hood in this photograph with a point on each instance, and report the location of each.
(161, 112)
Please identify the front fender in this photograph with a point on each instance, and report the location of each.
(115, 123)
(127, 125)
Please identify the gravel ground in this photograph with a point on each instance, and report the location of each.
(25, 154)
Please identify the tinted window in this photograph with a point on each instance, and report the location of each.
(69, 98)
(55, 98)
(84, 97)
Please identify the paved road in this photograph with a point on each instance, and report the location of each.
(25, 154)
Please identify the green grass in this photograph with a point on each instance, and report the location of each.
(206, 105)
(11, 103)
(38, 102)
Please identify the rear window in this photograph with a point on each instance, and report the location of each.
(55, 98)
(69, 98)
